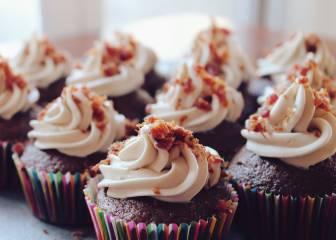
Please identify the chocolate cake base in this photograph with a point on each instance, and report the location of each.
(16, 128)
(153, 82)
(225, 138)
(52, 91)
(149, 210)
(272, 175)
(54, 161)
(132, 105)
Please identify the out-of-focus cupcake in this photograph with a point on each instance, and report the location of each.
(44, 66)
(294, 51)
(310, 69)
(216, 50)
(204, 104)
(71, 134)
(161, 184)
(17, 99)
(285, 175)
(118, 68)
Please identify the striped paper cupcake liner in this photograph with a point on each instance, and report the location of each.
(7, 169)
(54, 197)
(108, 227)
(271, 216)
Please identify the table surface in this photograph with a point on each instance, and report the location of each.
(16, 219)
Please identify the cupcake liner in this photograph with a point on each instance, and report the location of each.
(54, 197)
(271, 216)
(7, 169)
(108, 227)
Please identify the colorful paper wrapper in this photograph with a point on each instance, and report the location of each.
(7, 169)
(54, 197)
(270, 216)
(109, 227)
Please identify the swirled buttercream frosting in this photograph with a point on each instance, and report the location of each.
(215, 49)
(41, 63)
(16, 95)
(197, 100)
(78, 123)
(115, 67)
(298, 126)
(295, 51)
(163, 161)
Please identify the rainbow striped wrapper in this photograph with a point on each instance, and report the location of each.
(270, 216)
(54, 197)
(7, 169)
(110, 227)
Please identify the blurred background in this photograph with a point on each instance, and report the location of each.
(68, 18)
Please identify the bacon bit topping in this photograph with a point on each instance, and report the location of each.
(156, 191)
(203, 104)
(183, 119)
(50, 51)
(95, 168)
(303, 80)
(188, 86)
(272, 99)
(76, 100)
(256, 123)
(98, 111)
(265, 113)
(114, 56)
(11, 79)
(322, 100)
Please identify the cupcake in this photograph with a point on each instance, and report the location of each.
(316, 77)
(285, 174)
(17, 99)
(294, 51)
(204, 104)
(215, 49)
(161, 184)
(44, 66)
(118, 69)
(70, 134)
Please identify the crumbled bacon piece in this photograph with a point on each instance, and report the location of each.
(256, 123)
(188, 86)
(203, 104)
(322, 99)
(183, 119)
(11, 79)
(272, 99)
(303, 80)
(213, 69)
(312, 42)
(156, 191)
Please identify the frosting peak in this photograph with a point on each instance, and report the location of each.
(41, 63)
(215, 49)
(197, 100)
(16, 95)
(114, 68)
(295, 51)
(297, 126)
(78, 123)
(164, 161)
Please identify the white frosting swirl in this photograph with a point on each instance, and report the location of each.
(299, 127)
(294, 51)
(141, 168)
(182, 102)
(78, 123)
(106, 71)
(40, 63)
(16, 95)
(215, 49)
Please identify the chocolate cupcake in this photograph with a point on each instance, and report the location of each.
(215, 49)
(17, 99)
(295, 51)
(117, 68)
(43, 66)
(161, 183)
(70, 135)
(286, 172)
(204, 104)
